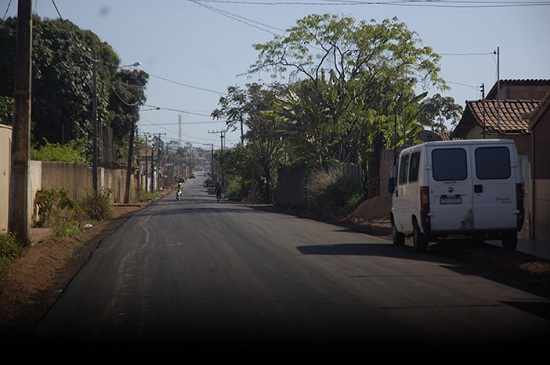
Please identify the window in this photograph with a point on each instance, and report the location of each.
(413, 166)
(403, 168)
(493, 163)
(449, 164)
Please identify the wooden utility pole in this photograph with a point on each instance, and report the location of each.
(130, 160)
(18, 221)
(95, 153)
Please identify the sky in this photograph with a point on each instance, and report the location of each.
(194, 50)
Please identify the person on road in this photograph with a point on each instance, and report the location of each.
(218, 191)
(178, 191)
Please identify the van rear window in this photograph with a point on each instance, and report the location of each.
(493, 163)
(449, 164)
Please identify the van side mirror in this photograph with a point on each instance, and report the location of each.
(391, 185)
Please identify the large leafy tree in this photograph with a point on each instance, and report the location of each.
(353, 74)
(350, 83)
(63, 81)
(128, 94)
(253, 107)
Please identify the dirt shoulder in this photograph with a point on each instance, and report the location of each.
(34, 280)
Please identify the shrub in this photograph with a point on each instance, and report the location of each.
(65, 228)
(330, 190)
(97, 205)
(51, 204)
(73, 151)
(9, 250)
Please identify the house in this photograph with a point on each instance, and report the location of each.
(539, 126)
(515, 115)
(497, 119)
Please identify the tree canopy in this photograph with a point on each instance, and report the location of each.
(350, 84)
(63, 58)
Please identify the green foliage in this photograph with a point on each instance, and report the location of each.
(147, 195)
(70, 152)
(63, 75)
(330, 190)
(65, 228)
(52, 204)
(353, 80)
(9, 250)
(6, 110)
(352, 202)
(97, 205)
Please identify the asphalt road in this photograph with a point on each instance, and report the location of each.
(210, 275)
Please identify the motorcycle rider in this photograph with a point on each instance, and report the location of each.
(178, 191)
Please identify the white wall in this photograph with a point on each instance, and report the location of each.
(5, 158)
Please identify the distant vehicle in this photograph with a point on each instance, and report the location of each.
(447, 188)
(192, 176)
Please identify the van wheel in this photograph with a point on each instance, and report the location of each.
(510, 240)
(420, 240)
(398, 238)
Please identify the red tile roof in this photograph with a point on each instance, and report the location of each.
(512, 117)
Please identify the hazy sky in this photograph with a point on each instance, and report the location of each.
(194, 50)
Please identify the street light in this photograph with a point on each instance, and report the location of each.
(135, 64)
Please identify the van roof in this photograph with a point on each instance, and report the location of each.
(461, 142)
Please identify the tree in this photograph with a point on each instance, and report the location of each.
(436, 110)
(128, 94)
(62, 82)
(351, 68)
(349, 82)
(253, 107)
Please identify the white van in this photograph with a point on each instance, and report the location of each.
(468, 188)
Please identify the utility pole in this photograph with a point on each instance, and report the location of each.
(483, 101)
(158, 162)
(222, 135)
(146, 162)
(18, 220)
(211, 155)
(498, 90)
(94, 121)
(130, 157)
(179, 130)
(153, 168)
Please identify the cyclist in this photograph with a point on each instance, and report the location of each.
(178, 191)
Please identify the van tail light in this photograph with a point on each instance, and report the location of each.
(424, 198)
(519, 195)
(519, 204)
(425, 209)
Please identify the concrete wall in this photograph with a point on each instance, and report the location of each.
(76, 178)
(5, 168)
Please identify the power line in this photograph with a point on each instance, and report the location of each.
(186, 85)
(6, 12)
(238, 18)
(420, 3)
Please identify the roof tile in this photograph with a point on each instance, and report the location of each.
(512, 118)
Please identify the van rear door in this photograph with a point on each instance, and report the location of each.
(450, 188)
(494, 179)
